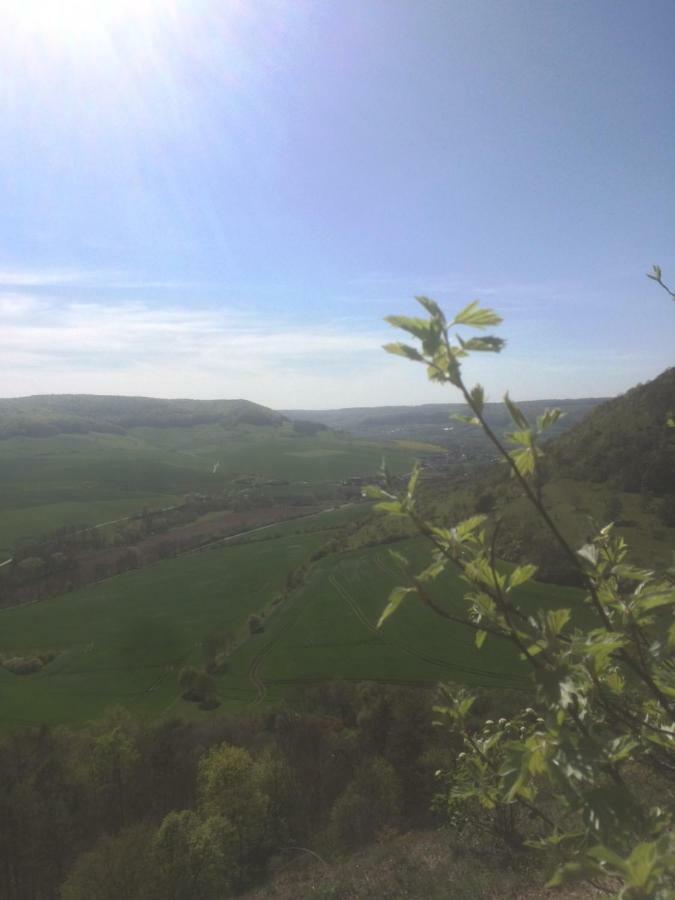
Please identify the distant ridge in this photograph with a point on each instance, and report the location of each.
(51, 414)
(434, 418)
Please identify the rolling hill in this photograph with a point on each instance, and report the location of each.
(51, 414)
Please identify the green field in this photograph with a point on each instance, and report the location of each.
(46, 483)
(328, 631)
(123, 641)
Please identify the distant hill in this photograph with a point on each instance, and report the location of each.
(51, 414)
(433, 423)
(624, 441)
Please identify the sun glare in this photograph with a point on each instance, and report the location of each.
(74, 21)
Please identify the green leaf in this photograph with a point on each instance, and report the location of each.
(429, 332)
(556, 619)
(463, 529)
(431, 307)
(405, 351)
(523, 437)
(516, 414)
(589, 552)
(414, 478)
(671, 635)
(476, 316)
(478, 397)
(454, 376)
(486, 344)
(609, 857)
(632, 573)
(654, 601)
(373, 492)
(641, 864)
(480, 638)
(399, 558)
(396, 597)
(392, 507)
(549, 418)
(520, 575)
(420, 328)
(622, 747)
(433, 570)
(524, 461)
(434, 373)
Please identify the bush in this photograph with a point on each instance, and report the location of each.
(23, 665)
(255, 624)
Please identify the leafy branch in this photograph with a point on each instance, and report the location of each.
(607, 691)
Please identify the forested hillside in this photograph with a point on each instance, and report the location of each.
(624, 441)
(617, 464)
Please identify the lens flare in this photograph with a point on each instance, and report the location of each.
(75, 21)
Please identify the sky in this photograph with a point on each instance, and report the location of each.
(224, 198)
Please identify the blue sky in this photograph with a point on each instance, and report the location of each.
(223, 199)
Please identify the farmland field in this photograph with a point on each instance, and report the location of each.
(47, 483)
(124, 640)
(328, 631)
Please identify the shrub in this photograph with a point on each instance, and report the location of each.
(255, 624)
(23, 665)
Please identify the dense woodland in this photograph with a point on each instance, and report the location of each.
(201, 810)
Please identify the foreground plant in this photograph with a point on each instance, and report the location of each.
(580, 766)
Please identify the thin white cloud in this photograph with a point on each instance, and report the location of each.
(55, 346)
(16, 305)
(11, 277)
(51, 345)
(18, 278)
